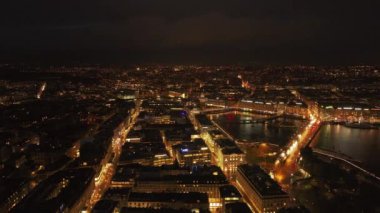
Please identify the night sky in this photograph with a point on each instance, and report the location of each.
(197, 31)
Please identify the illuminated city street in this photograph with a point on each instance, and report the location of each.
(287, 164)
(101, 184)
(103, 181)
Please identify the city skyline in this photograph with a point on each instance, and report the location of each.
(161, 138)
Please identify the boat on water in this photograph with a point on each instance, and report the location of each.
(358, 125)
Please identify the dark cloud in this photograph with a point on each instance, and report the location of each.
(273, 31)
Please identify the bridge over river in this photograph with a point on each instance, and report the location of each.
(212, 111)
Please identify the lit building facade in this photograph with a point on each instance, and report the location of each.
(263, 193)
(192, 200)
(228, 156)
(229, 159)
(192, 153)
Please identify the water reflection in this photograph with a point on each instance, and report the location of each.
(360, 144)
(278, 131)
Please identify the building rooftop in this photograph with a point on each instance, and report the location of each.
(186, 179)
(188, 147)
(104, 206)
(142, 151)
(203, 120)
(9, 186)
(231, 150)
(295, 209)
(151, 210)
(216, 133)
(112, 192)
(191, 197)
(261, 181)
(237, 207)
(199, 174)
(58, 192)
(228, 191)
(224, 142)
(130, 171)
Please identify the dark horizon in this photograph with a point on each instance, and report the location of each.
(172, 58)
(172, 32)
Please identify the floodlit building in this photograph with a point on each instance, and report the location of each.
(265, 195)
(229, 156)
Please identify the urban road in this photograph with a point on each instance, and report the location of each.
(103, 181)
(286, 164)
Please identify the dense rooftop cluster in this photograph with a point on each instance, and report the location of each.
(141, 139)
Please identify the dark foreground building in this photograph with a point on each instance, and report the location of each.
(263, 193)
(65, 191)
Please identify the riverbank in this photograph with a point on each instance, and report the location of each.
(360, 145)
(330, 184)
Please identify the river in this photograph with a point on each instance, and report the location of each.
(359, 144)
(278, 131)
